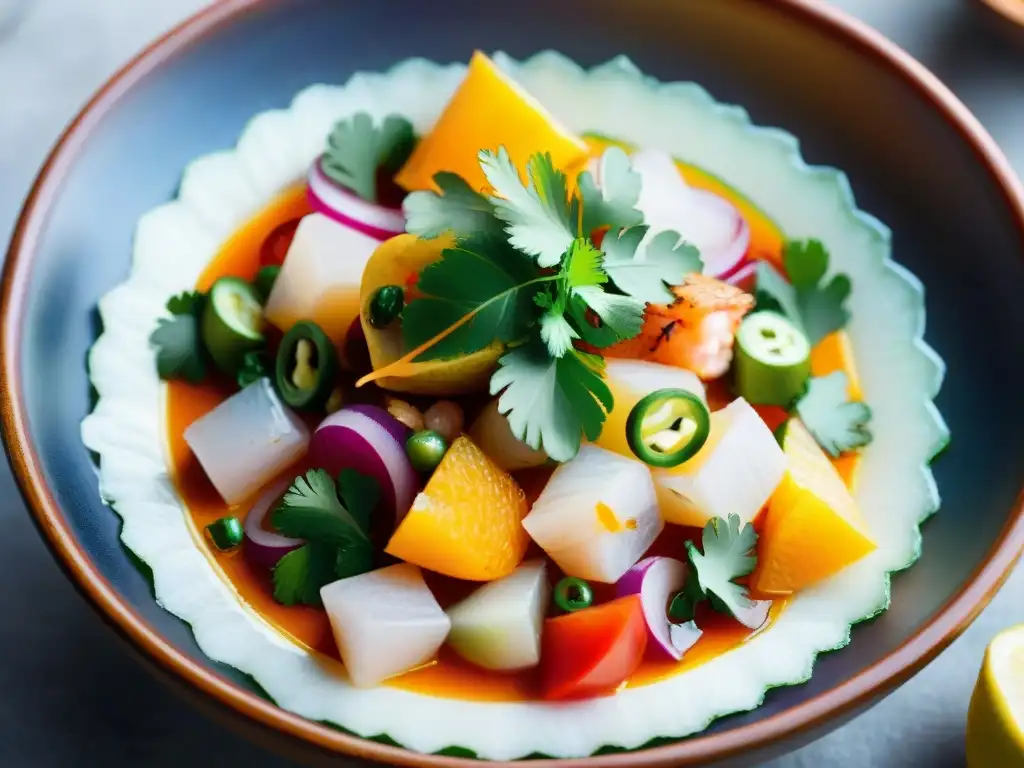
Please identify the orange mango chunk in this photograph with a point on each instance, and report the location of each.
(834, 353)
(488, 110)
(813, 528)
(399, 261)
(467, 522)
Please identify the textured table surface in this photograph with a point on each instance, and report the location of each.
(68, 693)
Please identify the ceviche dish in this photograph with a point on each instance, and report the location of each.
(512, 409)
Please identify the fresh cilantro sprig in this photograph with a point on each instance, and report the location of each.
(254, 367)
(728, 554)
(525, 271)
(179, 347)
(836, 423)
(334, 520)
(357, 148)
(815, 306)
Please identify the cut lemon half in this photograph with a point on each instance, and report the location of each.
(995, 720)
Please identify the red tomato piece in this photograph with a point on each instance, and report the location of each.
(592, 652)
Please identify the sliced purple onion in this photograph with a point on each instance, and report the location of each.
(755, 615)
(377, 221)
(744, 272)
(371, 441)
(656, 579)
(263, 549)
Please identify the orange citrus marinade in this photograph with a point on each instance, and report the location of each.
(449, 676)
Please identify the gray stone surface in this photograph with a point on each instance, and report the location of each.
(68, 693)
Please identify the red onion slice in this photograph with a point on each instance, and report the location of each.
(263, 549)
(328, 198)
(706, 220)
(351, 438)
(656, 579)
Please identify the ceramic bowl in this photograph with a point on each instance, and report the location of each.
(915, 158)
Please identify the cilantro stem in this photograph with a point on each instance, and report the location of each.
(408, 357)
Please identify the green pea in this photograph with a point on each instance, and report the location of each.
(425, 450)
(572, 594)
(386, 305)
(225, 533)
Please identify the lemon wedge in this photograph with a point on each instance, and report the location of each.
(995, 720)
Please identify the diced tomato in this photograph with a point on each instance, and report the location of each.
(593, 651)
(275, 247)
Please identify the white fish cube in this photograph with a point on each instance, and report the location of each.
(736, 471)
(320, 277)
(597, 515)
(247, 440)
(385, 622)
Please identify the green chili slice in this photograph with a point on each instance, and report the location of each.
(226, 533)
(572, 594)
(386, 306)
(667, 427)
(232, 323)
(306, 367)
(425, 449)
(265, 279)
(773, 360)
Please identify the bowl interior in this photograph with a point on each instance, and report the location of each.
(952, 226)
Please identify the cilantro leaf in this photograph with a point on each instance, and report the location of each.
(299, 575)
(614, 203)
(622, 315)
(582, 266)
(186, 303)
(536, 214)
(356, 148)
(178, 342)
(556, 332)
(836, 423)
(817, 309)
(311, 510)
(482, 286)
(645, 274)
(360, 494)
(458, 209)
(254, 367)
(728, 555)
(552, 403)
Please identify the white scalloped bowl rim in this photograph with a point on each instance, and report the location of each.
(900, 375)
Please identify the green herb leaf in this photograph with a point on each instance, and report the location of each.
(614, 203)
(186, 303)
(552, 403)
(728, 555)
(817, 309)
(311, 510)
(645, 274)
(836, 423)
(459, 209)
(299, 575)
(536, 214)
(622, 315)
(178, 342)
(254, 368)
(556, 332)
(683, 606)
(582, 266)
(360, 494)
(481, 278)
(356, 148)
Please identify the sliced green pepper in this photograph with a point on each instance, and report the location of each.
(773, 360)
(265, 279)
(232, 323)
(307, 366)
(667, 427)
